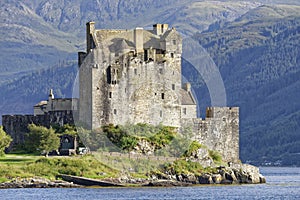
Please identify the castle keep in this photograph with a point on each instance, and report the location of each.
(134, 76)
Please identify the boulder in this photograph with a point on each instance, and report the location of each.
(246, 173)
(217, 178)
(229, 178)
(262, 179)
(144, 147)
(205, 179)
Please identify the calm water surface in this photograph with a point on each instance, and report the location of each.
(282, 183)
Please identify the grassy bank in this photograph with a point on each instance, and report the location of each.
(25, 166)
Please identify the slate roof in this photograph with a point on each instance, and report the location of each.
(41, 103)
(187, 98)
(124, 38)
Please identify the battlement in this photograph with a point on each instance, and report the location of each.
(221, 112)
(55, 104)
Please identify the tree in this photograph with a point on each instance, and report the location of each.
(49, 141)
(33, 138)
(5, 141)
(42, 139)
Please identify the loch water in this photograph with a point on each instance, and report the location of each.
(282, 183)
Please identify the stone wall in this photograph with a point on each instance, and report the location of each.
(219, 131)
(16, 125)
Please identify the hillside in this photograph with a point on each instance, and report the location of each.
(39, 34)
(20, 95)
(256, 48)
(260, 65)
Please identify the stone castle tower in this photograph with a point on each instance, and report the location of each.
(133, 77)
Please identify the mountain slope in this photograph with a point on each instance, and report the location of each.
(23, 93)
(260, 63)
(255, 46)
(39, 34)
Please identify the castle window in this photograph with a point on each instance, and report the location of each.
(160, 113)
(110, 94)
(135, 71)
(125, 90)
(162, 95)
(108, 74)
(115, 111)
(145, 55)
(161, 71)
(173, 86)
(184, 111)
(174, 42)
(172, 55)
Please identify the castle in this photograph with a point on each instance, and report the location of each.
(134, 76)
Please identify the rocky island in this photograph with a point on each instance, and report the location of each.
(132, 100)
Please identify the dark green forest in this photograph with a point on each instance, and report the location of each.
(255, 47)
(260, 64)
(20, 95)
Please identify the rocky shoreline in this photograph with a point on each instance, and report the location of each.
(234, 174)
(37, 182)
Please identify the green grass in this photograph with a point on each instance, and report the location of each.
(17, 159)
(24, 166)
(129, 163)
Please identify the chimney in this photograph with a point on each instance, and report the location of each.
(160, 29)
(157, 29)
(90, 28)
(51, 95)
(188, 87)
(164, 28)
(139, 40)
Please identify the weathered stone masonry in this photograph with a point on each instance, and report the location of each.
(134, 76)
(16, 125)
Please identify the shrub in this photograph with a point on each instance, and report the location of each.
(5, 141)
(194, 146)
(215, 155)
